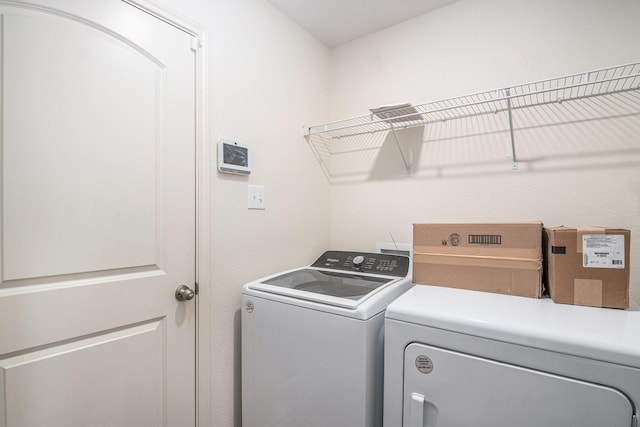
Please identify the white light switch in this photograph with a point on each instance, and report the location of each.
(256, 197)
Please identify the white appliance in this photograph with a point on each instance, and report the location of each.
(312, 341)
(462, 358)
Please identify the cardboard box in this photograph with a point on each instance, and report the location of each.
(588, 266)
(504, 258)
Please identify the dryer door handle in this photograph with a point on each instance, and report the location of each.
(417, 410)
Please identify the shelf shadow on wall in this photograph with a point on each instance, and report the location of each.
(398, 158)
(547, 138)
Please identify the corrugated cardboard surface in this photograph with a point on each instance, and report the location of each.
(504, 258)
(569, 282)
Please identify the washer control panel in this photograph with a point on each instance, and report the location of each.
(389, 264)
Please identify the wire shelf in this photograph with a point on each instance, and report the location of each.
(602, 93)
(607, 81)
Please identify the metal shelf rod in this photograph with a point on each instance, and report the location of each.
(514, 163)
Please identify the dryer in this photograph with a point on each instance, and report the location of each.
(457, 358)
(312, 341)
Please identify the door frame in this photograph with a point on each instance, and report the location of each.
(203, 231)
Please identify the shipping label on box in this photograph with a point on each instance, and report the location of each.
(588, 266)
(493, 257)
(603, 250)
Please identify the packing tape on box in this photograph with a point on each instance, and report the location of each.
(518, 253)
(477, 260)
(581, 231)
(587, 292)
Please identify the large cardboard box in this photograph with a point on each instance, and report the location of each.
(588, 266)
(504, 258)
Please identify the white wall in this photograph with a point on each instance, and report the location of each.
(266, 78)
(574, 174)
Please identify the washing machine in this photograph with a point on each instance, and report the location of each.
(464, 358)
(312, 341)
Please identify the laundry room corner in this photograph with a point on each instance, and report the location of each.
(578, 169)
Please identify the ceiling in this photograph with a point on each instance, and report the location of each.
(335, 22)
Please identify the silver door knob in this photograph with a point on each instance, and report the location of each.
(184, 293)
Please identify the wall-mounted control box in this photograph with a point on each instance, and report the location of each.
(233, 157)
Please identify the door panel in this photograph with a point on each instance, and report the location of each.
(449, 389)
(111, 368)
(97, 215)
(79, 175)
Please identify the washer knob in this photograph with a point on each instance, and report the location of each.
(358, 260)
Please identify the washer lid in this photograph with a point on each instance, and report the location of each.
(324, 286)
(338, 278)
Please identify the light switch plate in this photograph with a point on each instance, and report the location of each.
(256, 195)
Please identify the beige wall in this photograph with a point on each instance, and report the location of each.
(586, 173)
(267, 77)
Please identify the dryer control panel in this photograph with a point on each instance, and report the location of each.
(366, 262)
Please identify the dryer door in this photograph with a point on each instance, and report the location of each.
(444, 388)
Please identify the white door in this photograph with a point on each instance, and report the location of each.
(97, 216)
(445, 388)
